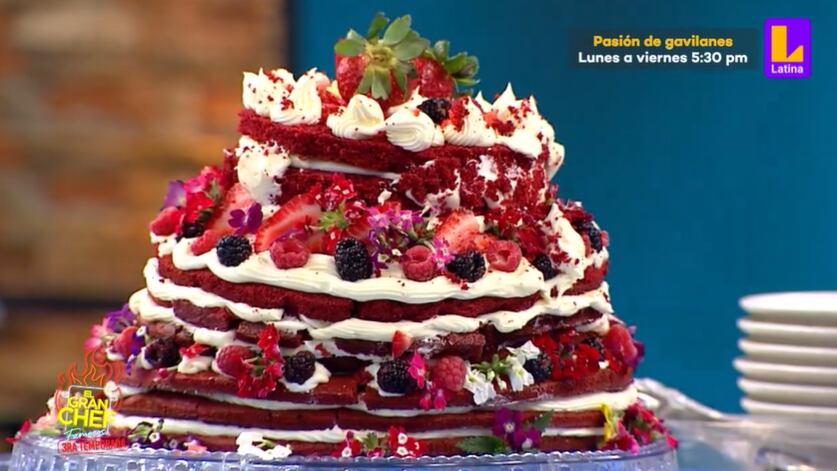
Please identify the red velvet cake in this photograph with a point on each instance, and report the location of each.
(380, 266)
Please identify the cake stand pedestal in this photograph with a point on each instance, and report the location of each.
(41, 454)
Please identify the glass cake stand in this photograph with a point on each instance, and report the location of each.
(41, 453)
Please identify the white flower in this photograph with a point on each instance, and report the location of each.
(250, 443)
(480, 386)
(519, 377)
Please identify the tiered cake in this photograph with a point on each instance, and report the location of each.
(380, 266)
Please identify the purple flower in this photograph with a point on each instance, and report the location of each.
(440, 252)
(379, 220)
(525, 439)
(175, 196)
(405, 220)
(116, 321)
(246, 223)
(506, 422)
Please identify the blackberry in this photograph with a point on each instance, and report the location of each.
(191, 229)
(352, 260)
(593, 234)
(436, 108)
(233, 249)
(298, 368)
(162, 353)
(394, 377)
(469, 266)
(540, 367)
(545, 266)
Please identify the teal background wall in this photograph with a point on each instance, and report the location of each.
(712, 184)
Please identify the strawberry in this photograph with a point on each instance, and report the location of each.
(400, 343)
(237, 197)
(128, 342)
(167, 222)
(230, 359)
(207, 240)
(459, 229)
(375, 65)
(298, 213)
(619, 342)
(438, 75)
(483, 241)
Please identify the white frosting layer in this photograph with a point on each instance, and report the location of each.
(319, 275)
(474, 130)
(361, 118)
(145, 308)
(413, 130)
(321, 375)
(332, 435)
(260, 166)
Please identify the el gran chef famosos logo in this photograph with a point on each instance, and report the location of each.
(787, 47)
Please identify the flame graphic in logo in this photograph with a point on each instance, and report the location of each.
(95, 371)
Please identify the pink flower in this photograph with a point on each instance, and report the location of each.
(194, 446)
(417, 369)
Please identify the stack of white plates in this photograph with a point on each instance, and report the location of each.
(789, 367)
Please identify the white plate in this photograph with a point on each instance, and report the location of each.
(790, 354)
(812, 308)
(793, 394)
(799, 412)
(783, 373)
(788, 333)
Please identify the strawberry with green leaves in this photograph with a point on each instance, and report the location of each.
(438, 75)
(378, 66)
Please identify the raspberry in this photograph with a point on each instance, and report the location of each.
(233, 249)
(449, 373)
(230, 359)
(162, 353)
(393, 377)
(289, 253)
(298, 368)
(540, 367)
(206, 241)
(436, 108)
(167, 222)
(504, 255)
(127, 343)
(545, 266)
(418, 264)
(469, 266)
(352, 260)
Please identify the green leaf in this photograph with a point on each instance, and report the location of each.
(410, 48)
(365, 82)
(352, 34)
(378, 22)
(440, 50)
(400, 79)
(397, 30)
(466, 82)
(472, 65)
(348, 47)
(370, 441)
(542, 421)
(379, 86)
(479, 445)
(455, 63)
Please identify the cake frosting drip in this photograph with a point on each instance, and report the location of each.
(379, 253)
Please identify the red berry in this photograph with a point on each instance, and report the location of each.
(167, 222)
(504, 255)
(418, 264)
(297, 214)
(449, 373)
(433, 79)
(619, 342)
(459, 229)
(400, 343)
(237, 197)
(230, 359)
(122, 344)
(289, 253)
(207, 241)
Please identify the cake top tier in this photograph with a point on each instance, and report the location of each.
(391, 85)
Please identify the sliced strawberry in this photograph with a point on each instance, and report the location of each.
(208, 239)
(483, 241)
(400, 343)
(167, 222)
(237, 197)
(459, 230)
(297, 214)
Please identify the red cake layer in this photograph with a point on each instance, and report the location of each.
(181, 406)
(332, 308)
(432, 447)
(317, 141)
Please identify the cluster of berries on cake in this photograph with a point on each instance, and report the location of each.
(380, 252)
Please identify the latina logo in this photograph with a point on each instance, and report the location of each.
(787, 47)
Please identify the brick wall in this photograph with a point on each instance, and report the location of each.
(101, 103)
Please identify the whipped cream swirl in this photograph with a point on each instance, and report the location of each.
(361, 118)
(413, 130)
(474, 130)
(303, 104)
(260, 167)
